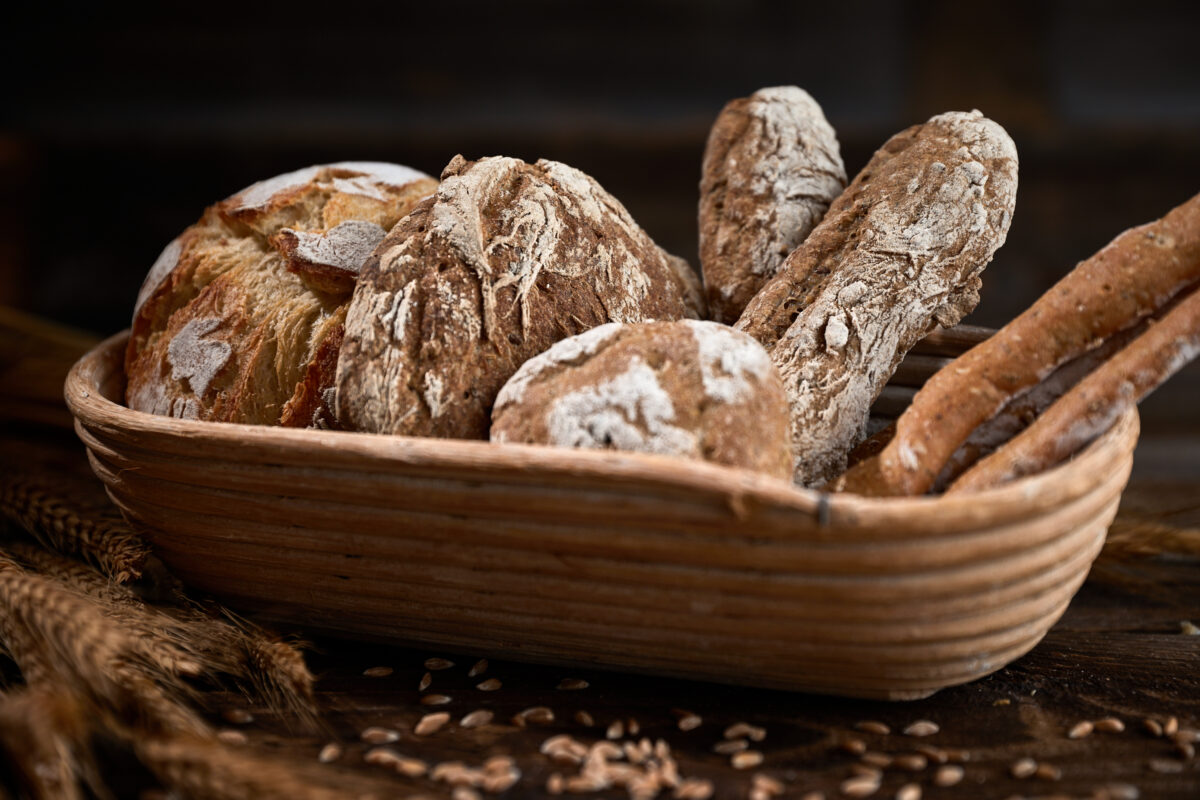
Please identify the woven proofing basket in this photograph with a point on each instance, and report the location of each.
(596, 558)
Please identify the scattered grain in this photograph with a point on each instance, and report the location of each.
(1080, 730)
(863, 769)
(1165, 766)
(330, 753)
(237, 716)
(912, 762)
(1188, 628)
(1003, 701)
(464, 793)
(922, 727)
(1186, 749)
(746, 759)
(1118, 791)
(377, 672)
(690, 722)
(616, 730)
(477, 718)
(438, 663)
(1152, 726)
(431, 723)
(860, 786)
(588, 782)
(936, 755)
(855, 747)
(376, 735)
(411, 767)
(490, 685)
(813, 796)
(1171, 726)
(435, 700)
(572, 684)
(875, 759)
(555, 783)
(426, 682)
(1048, 772)
(768, 784)
(1023, 768)
(873, 726)
(585, 719)
(230, 736)
(381, 756)
(632, 727)
(730, 746)
(957, 756)
(694, 789)
(1187, 735)
(538, 715)
(739, 730)
(1109, 725)
(948, 775)
(564, 748)
(909, 791)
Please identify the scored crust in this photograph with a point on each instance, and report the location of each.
(506, 259)
(237, 318)
(899, 252)
(771, 168)
(688, 388)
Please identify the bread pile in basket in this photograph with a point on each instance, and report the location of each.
(523, 303)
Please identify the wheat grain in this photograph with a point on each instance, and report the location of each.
(436, 664)
(585, 719)
(922, 727)
(435, 700)
(426, 682)
(909, 791)
(1048, 772)
(572, 684)
(873, 726)
(478, 668)
(490, 685)
(431, 723)
(746, 759)
(1109, 725)
(330, 753)
(1023, 768)
(237, 716)
(476, 719)
(229, 736)
(377, 735)
(1080, 730)
(948, 775)
(690, 722)
(377, 672)
(874, 759)
(860, 786)
(739, 730)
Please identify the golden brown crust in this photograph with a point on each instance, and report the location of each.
(689, 388)
(1090, 408)
(235, 314)
(1131, 278)
(506, 259)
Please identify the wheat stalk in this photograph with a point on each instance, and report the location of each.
(104, 539)
(44, 733)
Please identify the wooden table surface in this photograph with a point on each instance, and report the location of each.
(1126, 649)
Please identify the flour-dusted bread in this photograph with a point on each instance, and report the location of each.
(771, 168)
(688, 388)
(899, 252)
(240, 318)
(506, 259)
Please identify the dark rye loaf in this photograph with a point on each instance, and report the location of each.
(899, 252)
(506, 259)
(240, 318)
(771, 168)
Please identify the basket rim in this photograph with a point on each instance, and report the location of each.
(85, 396)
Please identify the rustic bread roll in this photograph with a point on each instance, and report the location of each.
(771, 168)
(505, 260)
(688, 388)
(240, 318)
(899, 252)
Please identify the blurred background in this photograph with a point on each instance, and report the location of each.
(116, 130)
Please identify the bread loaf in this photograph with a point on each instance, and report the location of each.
(771, 168)
(899, 252)
(689, 388)
(505, 260)
(240, 318)
(1133, 277)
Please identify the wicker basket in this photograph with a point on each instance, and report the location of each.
(624, 561)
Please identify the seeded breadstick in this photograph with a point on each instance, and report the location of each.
(1091, 407)
(1131, 278)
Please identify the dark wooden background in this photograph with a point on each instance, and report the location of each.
(117, 129)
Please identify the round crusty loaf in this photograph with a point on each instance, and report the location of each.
(689, 388)
(240, 318)
(771, 168)
(505, 260)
